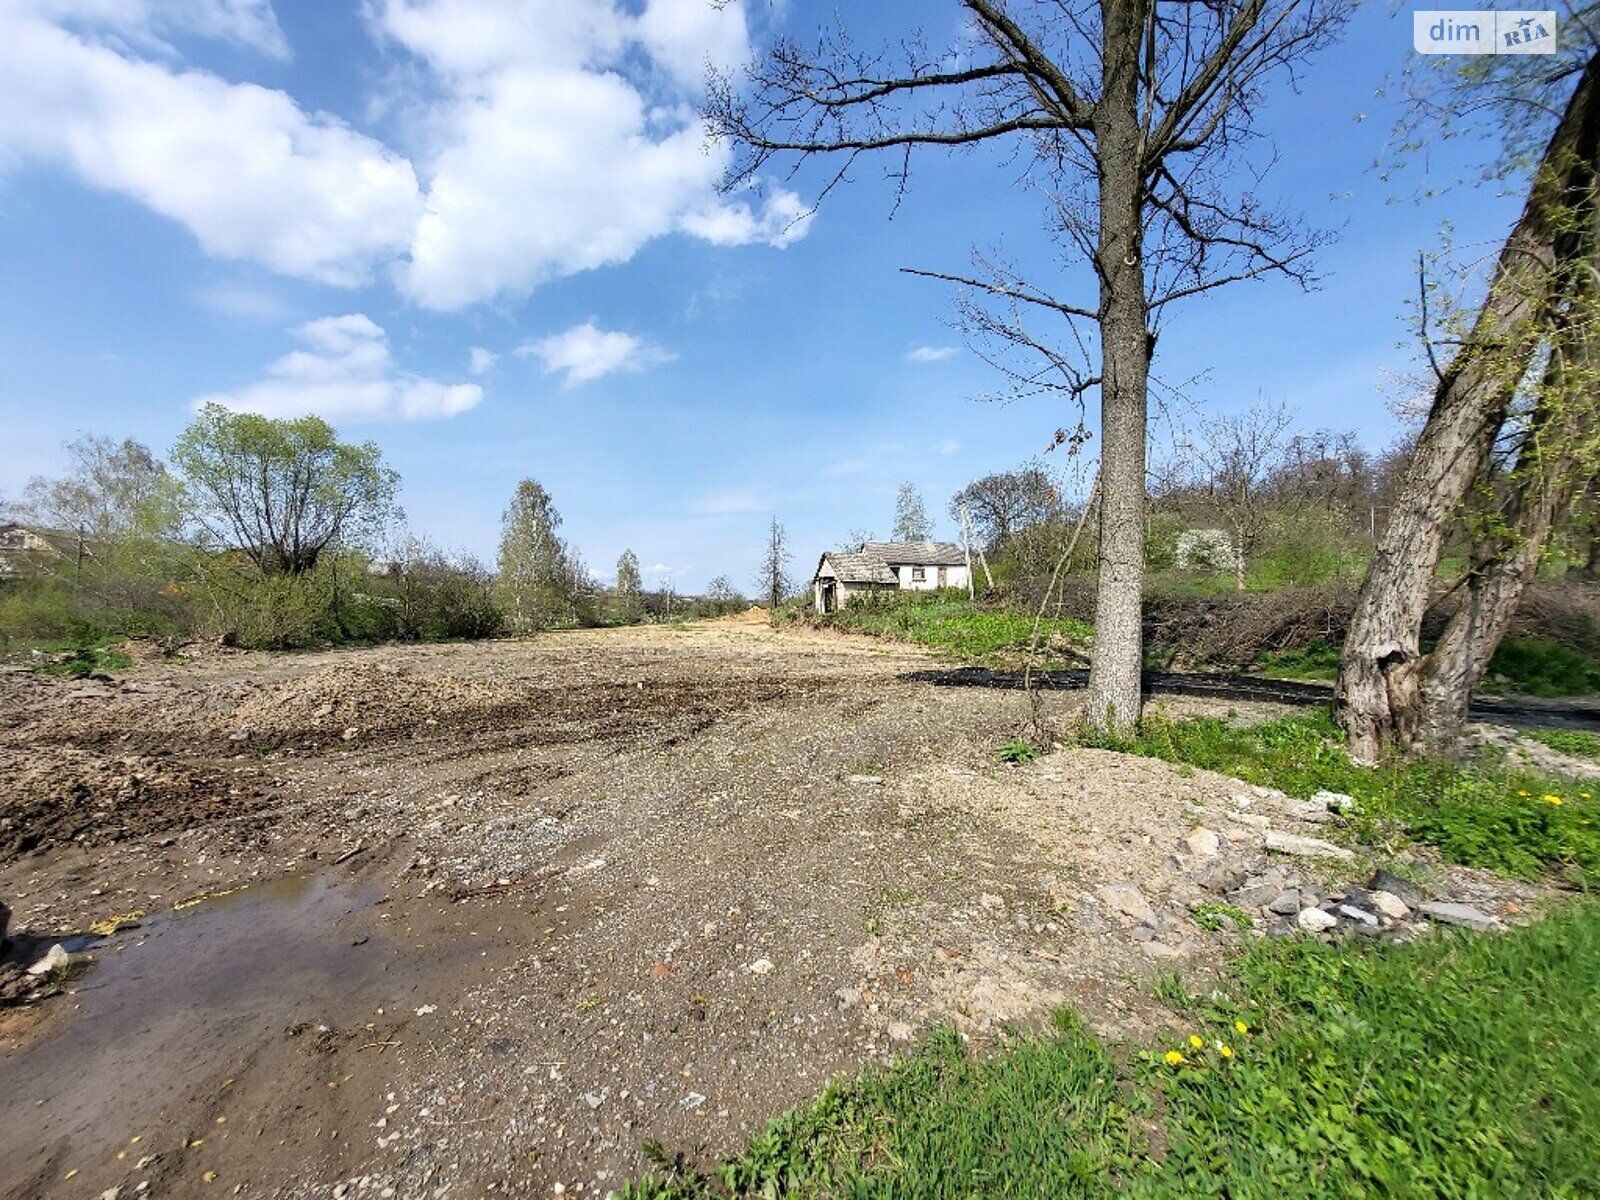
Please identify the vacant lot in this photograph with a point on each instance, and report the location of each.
(489, 917)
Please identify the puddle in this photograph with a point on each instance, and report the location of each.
(174, 1006)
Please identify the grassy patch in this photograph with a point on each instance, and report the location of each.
(1018, 752)
(1538, 667)
(1576, 742)
(80, 662)
(1481, 815)
(1461, 1066)
(956, 625)
(1316, 661)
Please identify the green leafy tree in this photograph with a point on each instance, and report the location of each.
(629, 587)
(285, 492)
(540, 581)
(112, 491)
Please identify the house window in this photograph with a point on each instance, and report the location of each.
(918, 574)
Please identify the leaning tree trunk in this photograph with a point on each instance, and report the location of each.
(1556, 459)
(1114, 695)
(1378, 694)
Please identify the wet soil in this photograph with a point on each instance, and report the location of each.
(482, 919)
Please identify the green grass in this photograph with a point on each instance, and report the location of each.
(945, 623)
(1569, 741)
(84, 661)
(1316, 661)
(1462, 1066)
(1018, 752)
(1539, 667)
(1481, 815)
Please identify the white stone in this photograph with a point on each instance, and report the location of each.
(1391, 906)
(55, 959)
(1306, 847)
(1459, 914)
(1130, 902)
(762, 966)
(1334, 801)
(1203, 842)
(1314, 920)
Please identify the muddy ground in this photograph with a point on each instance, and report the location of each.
(483, 919)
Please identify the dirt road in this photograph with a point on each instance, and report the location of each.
(482, 919)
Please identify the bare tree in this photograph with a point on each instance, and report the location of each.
(1129, 115)
(911, 522)
(1006, 502)
(1236, 456)
(773, 581)
(1379, 695)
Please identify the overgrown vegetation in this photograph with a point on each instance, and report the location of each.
(1485, 814)
(949, 621)
(1460, 1066)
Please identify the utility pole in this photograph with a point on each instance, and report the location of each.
(966, 532)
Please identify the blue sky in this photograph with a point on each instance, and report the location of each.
(486, 235)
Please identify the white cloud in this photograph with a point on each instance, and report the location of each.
(481, 361)
(346, 373)
(725, 504)
(586, 353)
(931, 354)
(246, 302)
(249, 173)
(552, 136)
(568, 140)
(949, 446)
(146, 23)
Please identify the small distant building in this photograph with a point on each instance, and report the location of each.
(887, 567)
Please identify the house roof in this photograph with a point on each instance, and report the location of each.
(857, 568)
(917, 554)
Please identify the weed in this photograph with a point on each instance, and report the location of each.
(1482, 815)
(1462, 1065)
(1018, 752)
(957, 625)
(1575, 742)
(1213, 915)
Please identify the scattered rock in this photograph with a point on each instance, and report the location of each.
(899, 1031)
(350, 734)
(1391, 905)
(848, 998)
(762, 966)
(1160, 950)
(1334, 801)
(1259, 890)
(989, 902)
(1309, 811)
(1406, 891)
(1449, 913)
(1314, 920)
(593, 1099)
(55, 959)
(1306, 847)
(1360, 915)
(864, 779)
(691, 1102)
(1130, 902)
(1203, 842)
(1285, 904)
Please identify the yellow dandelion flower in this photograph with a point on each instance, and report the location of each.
(1586, 795)
(1520, 792)
(1241, 1027)
(1174, 1058)
(1556, 800)
(1225, 1050)
(1196, 1041)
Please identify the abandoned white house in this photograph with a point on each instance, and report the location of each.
(887, 566)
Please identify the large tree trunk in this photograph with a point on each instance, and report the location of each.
(1114, 673)
(1555, 460)
(1378, 694)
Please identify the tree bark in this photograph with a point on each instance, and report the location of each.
(1114, 695)
(1378, 695)
(1555, 461)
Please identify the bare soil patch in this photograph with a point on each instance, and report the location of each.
(418, 921)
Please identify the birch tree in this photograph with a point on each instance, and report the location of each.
(911, 522)
(1129, 116)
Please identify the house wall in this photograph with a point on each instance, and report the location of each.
(955, 577)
